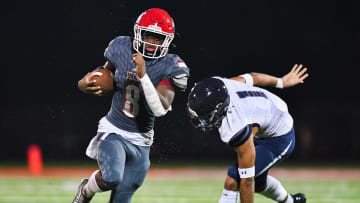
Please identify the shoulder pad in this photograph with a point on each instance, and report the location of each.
(114, 48)
(180, 81)
(179, 72)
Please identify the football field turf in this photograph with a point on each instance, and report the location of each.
(169, 189)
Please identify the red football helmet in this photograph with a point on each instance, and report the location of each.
(158, 23)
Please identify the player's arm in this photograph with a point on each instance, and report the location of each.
(159, 99)
(296, 76)
(166, 93)
(86, 85)
(246, 160)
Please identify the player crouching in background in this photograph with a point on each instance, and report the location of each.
(253, 121)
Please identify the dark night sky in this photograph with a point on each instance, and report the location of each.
(48, 46)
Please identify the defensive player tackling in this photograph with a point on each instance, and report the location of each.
(253, 121)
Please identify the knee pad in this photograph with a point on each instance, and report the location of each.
(233, 172)
(110, 185)
(112, 178)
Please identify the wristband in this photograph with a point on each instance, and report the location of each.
(279, 83)
(248, 79)
(246, 172)
(152, 97)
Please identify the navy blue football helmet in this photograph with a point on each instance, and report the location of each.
(207, 104)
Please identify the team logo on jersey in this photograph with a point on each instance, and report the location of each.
(132, 76)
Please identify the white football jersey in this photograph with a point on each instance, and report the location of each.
(251, 106)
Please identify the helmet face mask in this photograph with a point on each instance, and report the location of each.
(154, 35)
(210, 121)
(157, 23)
(207, 104)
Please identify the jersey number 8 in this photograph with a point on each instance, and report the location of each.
(131, 102)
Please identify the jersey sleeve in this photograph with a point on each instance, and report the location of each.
(166, 82)
(113, 50)
(241, 136)
(234, 130)
(179, 74)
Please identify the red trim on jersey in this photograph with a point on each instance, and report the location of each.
(166, 82)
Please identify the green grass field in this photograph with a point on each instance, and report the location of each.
(45, 190)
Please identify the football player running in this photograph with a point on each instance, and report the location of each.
(253, 121)
(145, 80)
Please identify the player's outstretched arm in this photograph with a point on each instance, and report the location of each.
(246, 159)
(296, 76)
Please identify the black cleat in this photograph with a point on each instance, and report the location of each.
(299, 198)
(79, 197)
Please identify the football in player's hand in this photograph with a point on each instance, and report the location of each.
(105, 79)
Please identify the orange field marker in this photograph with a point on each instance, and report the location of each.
(34, 156)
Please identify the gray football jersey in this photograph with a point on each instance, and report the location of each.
(129, 110)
